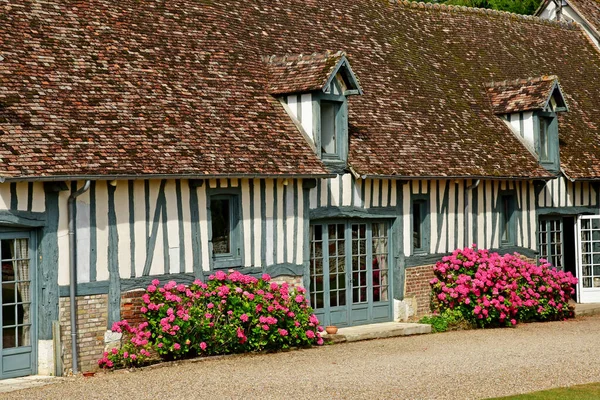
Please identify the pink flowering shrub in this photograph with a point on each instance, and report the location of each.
(133, 352)
(493, 290)
(231, 313)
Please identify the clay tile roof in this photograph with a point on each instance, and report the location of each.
(521, 95)
(107, 87)
(301, 73)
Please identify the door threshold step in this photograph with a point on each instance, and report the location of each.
(376, 331)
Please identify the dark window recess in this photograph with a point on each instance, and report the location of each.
(220, 211)
(329, 111)
(544, 140)
(507, 208)
(420, 225)
(417, 226)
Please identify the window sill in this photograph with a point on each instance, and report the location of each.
(226, 262)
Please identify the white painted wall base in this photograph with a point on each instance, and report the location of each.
(45, 357)
(112, 339)
(404, 309)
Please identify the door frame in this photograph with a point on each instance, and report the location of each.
(31, 235)
(593, 293)
(327, 311)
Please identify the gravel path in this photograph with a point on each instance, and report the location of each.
(453, 365)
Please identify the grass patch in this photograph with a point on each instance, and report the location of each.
(580, 392)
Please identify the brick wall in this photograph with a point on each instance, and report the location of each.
(417, 287)
(131, 302)
(92, 318)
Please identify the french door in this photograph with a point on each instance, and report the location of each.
(350, 272)
(588, 259)
(18, 313)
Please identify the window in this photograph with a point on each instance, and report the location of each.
(507, 223)
(544, 143)
(329, 112)
(546, 140)
(551, 241)
(420, 224)
(224, 228)
(331, 124)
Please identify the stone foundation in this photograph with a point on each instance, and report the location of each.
(417, 291)
(293, 281)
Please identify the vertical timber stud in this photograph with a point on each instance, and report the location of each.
(48, 263)
(114, 288)
(307, 185)
(195, 219)
(397, 244)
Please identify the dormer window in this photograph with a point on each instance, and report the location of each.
(316, 89)
(530, 107)
(330, 112)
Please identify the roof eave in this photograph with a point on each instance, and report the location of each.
(111, 177)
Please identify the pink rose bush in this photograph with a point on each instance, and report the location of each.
(493, 290)
(230, 313)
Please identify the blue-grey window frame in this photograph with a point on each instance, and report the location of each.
(512, 223)
(232, 259)
(552, 164)
(340, 158)
(425, 223)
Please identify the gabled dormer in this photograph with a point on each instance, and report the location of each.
(530, 107)
(314, 90)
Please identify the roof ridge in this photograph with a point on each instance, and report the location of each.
(543, 78)
(482, 11)
(298, 57)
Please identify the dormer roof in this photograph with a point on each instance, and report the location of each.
(533, 94)
(306, 73)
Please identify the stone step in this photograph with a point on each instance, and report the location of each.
(376, 331)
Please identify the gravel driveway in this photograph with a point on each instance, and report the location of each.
(454, 365)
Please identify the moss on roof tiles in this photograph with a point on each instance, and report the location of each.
(188, 79)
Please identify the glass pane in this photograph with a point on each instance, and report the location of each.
(417, 234)
(221, 225)
(9, 293)
(505, 218)
(23, 313)
(328, 113)
(21, 249)
(543, 139)
(9, 338)
(9, 315)
(24, 335)
(7, 247)
(587, 282)
(8, 271)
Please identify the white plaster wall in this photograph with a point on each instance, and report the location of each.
(307, 114)
(528, 128)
